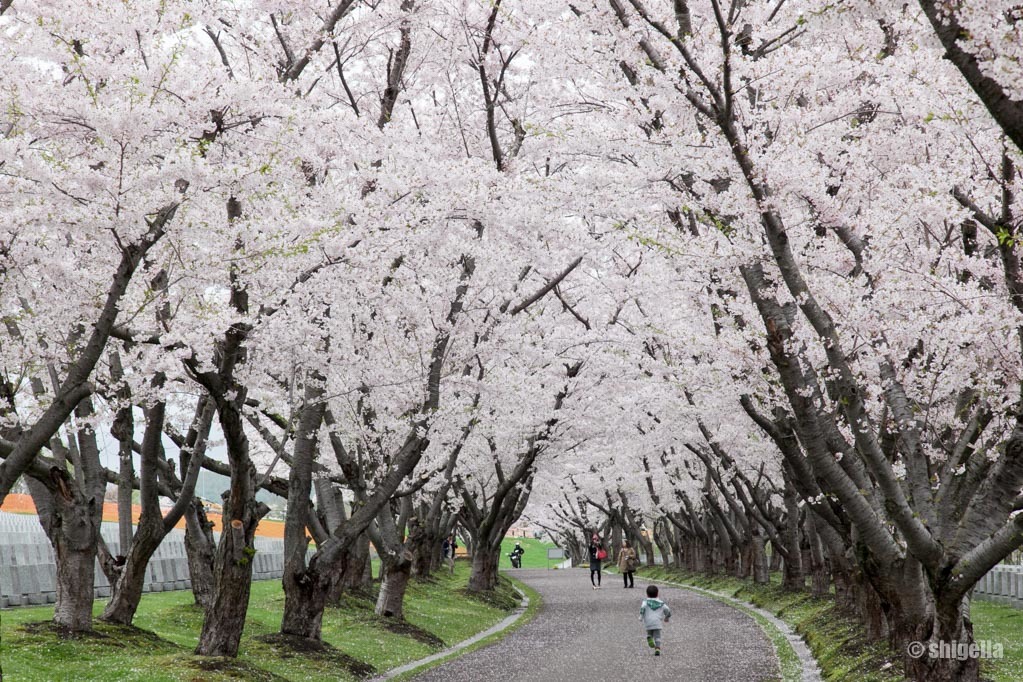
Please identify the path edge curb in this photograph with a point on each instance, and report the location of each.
(811, 671)
(502, 628)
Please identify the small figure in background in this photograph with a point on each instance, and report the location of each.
(597, 555)
(448, 549)
(627, 561)
(516, 555)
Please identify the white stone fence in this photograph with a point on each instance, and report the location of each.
(28, 572)
(1002, 584)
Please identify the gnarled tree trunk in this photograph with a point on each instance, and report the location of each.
(200, 548)
(485, 564)
(393, 585)
(225, 619)
(153, 526)
(71, 511)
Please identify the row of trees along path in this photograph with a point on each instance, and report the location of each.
(739, 281)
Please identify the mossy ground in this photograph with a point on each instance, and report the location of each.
(159, 648)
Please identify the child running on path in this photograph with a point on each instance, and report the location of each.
(654, 613)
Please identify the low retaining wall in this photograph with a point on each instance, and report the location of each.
(1002, 584)
(28, 572)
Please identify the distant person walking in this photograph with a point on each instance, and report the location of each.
(448, 548)
(654, 613)
(597, 555)
(627, 560)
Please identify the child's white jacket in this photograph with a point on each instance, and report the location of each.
(653, 613)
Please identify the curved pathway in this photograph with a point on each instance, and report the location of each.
(596, 636)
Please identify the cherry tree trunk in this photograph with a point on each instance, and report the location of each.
(871, 609)
(820, 579)
(225, 619)
(357, 576)
(775, 564)
(71, 521)
(648, 550)
(935, 644)
(662, 540)
(696, 555)
(74, 533)
(484, 569)
(122, 430)
(199, 548)
(76, 574)
(307, 592)
(678, 544)
(665, 551)
(304, 602)
(820, 574)
(717, 557)
(844, 592)
(391, 599)
(758, 561)
(424, 552)
(743, 567)
(793, 577)
(127, 592)
(434, 554)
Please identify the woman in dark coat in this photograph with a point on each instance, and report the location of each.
(597, 555)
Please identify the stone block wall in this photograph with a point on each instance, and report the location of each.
(1002, 584)
(28, 572)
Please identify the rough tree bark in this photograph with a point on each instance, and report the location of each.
(225, 619)
(70, 510)
(200, 549)
(153, 526)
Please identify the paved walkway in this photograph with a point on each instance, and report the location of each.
(595, 636)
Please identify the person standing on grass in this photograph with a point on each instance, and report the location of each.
(449, 548)
(654, 613)
(597, 555)
(627, 560)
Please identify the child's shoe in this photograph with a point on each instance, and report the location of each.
(657, 651)
(650, 642)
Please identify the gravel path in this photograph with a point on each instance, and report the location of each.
(595, 636)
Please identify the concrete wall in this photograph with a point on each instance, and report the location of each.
(1003, 584)
(28, 573)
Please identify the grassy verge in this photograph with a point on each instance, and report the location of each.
(834, 636)
(438, 614)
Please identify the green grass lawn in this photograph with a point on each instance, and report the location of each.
(535, 556)
(438, 613)
(1004, 625)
